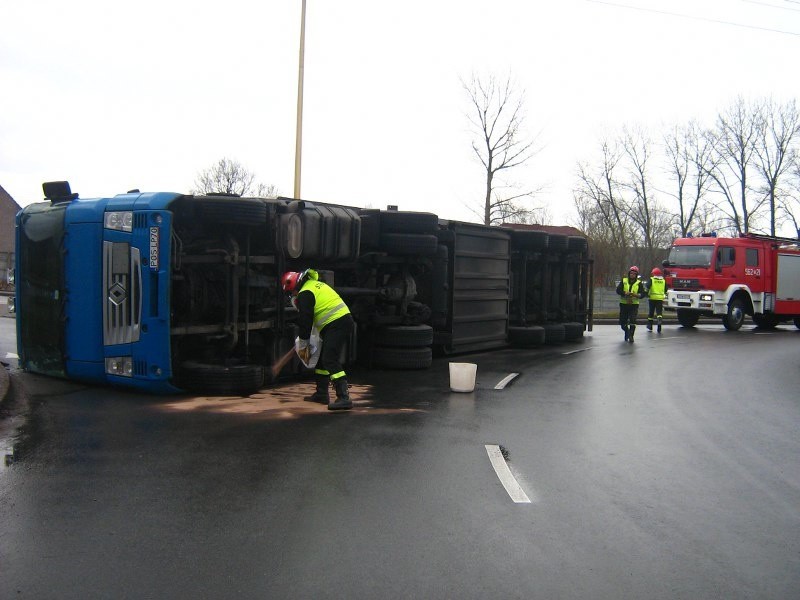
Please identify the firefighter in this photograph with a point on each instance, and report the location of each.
(656, 292)
(319, 305)
(630, 290)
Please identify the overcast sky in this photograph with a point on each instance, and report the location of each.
(145, 95)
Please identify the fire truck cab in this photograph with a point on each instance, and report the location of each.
(754, 275)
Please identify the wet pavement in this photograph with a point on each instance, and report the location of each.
(661, 469)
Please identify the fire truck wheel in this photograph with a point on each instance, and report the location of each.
(687, 318)
(769, 321)
(219, 379)
(735, 317)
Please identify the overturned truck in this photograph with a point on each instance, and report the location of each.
(168, 292)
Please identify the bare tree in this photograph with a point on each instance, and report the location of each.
(688, 153)
(734, 141)
(775, 149)
(603, 213)
(654, 223)
(228, 176)
(497, 117)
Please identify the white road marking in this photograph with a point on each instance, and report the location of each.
(575, 351)
(12, 355)
(504, 474)
(504, 382)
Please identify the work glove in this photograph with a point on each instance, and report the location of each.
(304, 350)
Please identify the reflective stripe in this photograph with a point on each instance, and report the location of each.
(319, 320)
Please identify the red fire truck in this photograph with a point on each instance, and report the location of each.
(754, 275)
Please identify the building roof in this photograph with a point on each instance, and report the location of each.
(8, 210)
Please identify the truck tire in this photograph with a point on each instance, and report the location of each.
(408, 222)
(409, 244)
(220, 380)
(735, 317)
(402, 358)
(557, 242)
(406, 336)
(768, 321)
(554, 333)
(573, 330)
(526, 337)
(233, 211)
(687, 318)
(576, 243)
(529, 240)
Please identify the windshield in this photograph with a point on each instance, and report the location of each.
(691, 256)
(40, 281)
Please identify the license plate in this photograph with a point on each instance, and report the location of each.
(683, 296)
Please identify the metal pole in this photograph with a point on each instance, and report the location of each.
(298, 148)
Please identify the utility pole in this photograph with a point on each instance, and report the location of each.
(298, 144)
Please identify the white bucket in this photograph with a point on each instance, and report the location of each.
(462, 376)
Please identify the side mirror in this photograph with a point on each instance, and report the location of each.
(665, 263)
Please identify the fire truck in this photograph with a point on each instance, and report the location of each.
(755, 275)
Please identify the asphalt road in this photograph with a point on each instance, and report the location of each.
(667, 468)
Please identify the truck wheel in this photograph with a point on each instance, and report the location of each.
(768, 321)
(557, 242)
(526, 337)
(687, 318)
(393, 221)
(406, 336)
(529, 240)
(409, 244)
(402, 358)
(735, 317)
(233, 211)
(554, 333)
(573, 330)
(576, 243)
(219, 379)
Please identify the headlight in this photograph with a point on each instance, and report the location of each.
(706, 297)
(119, 365)
(120, 221)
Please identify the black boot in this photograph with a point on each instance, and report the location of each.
(649, 324)
(342, 401)
(659, 324)
(627, 333)
(630, 335)
(321, 394)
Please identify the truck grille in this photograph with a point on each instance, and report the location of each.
(122, 286)
(685, 284)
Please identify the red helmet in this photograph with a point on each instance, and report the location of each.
(290, 280)
(633, 269)
(656, 272)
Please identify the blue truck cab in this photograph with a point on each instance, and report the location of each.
(97, 273)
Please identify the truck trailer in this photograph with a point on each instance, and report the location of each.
(168, 292)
